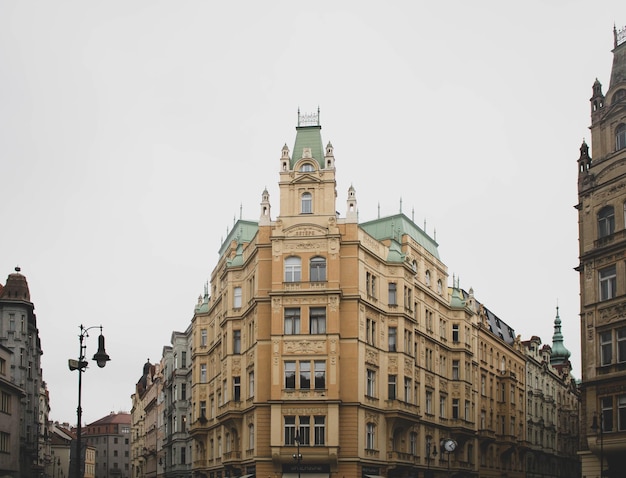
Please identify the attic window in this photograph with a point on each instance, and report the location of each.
(307, 168)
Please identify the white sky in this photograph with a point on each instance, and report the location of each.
(131, 133)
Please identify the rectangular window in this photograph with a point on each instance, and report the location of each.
(391, 387)
(483, 420)
(203, 408)
(5, 442)
(467, 410)
(608, 282)
(203, 338)
(236, 341)
(290, 375)
(202, 373)
(455, 333)
(429, 402)
(456, 406)
(290, 430)
(369, 436)
(183, 456)
(413, 443)
(370, 389)
(237, 389)
(320, 374)
(370, 284)
(393, 293)
(292, 320)
(621, 344)
(5, 403)
(305, 375)
(11, 322)
(408, 342)
(408, 386)
(371, 331)
(393, 339)
(251, 384)
(237, 297)
(606, 348)
(318, 269)
(305, 430)
(317, 320)
(320, 430)
(621, 412)
(606, 404)
(442, 406)
(183, 391)
(455, 370)
(483, 382)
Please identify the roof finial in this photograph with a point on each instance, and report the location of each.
(240, 210)
(378, 209)
(400, 204)
(413, 214)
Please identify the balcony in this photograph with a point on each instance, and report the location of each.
(610, 239)
(402, 458)
(231, 456)
(304, 286)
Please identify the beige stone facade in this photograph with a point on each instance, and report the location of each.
(330, 348)
(602, 242)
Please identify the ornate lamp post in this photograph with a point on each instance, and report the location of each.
(297, 456)
(599, 428)
(101, 358)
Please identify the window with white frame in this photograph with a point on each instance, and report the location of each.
(620, 137)
(320, 430)
(606, 221)
(306, 202)
(320, 374)
(393, 339)
(236, 341)
(305, 374)
(442, 406)
(455, 370)
(370, 437)
(391, 386)
(608, 282)
(290, 429)
(251, 384)
(429, 402)
(202, 373)
(305, 430)
(606, 347)
(293, 269)
(370, 386)
(237, 298)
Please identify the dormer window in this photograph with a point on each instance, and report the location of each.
(306, 203)
(307, 168)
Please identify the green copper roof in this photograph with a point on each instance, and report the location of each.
(308, 137)
(242, 231)
(393, 227)
(559, 353)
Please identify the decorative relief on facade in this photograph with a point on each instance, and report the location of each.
(371, 418)
(236, 366)
(371, 242)
(408, 367)
(333, 303)
(371, 357)
(443, 385)
(430, 381)
(611, 313)
(304, 411)
(276, 304)
(276, 344)
(392, 365)
(304, 346)
(333, 245)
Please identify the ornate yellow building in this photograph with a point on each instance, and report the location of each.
(602, 243)
(324, 347)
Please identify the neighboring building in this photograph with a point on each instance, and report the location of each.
(19, 333)
(343, 341)
(90, 462)
(602, 242)
(175, 453)
(110, 438)
(553, 407)
(144, 423)
(43, 425)
(10, 399)
(60, 445)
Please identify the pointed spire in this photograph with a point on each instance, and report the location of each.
(559, 354)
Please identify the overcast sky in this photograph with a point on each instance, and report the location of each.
(131, 134)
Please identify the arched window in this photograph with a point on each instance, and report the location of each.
(307, 168)
(620, 137)
(370, 436)
(293, 269)
(318, 269)
(428, 278)
(606, 221)
(306, 203)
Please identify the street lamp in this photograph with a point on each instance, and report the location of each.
(595, 427)
(101, 358)
(297, 456)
